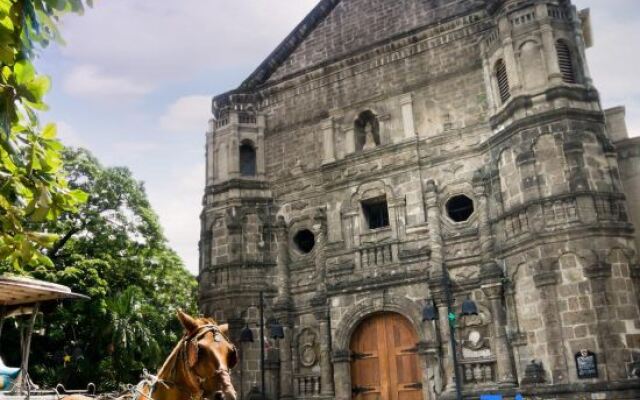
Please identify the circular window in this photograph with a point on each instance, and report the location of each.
(305, 241)
(460, 208)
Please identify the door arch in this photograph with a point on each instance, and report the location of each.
(385, 363)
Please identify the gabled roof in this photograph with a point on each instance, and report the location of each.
(289, 44)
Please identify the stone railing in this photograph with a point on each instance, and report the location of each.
(247, 119)
(377, 255)
(221, 122)
(478, 371)
(306, 385)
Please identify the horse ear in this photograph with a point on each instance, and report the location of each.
(224, 329)
(187, 321)
(192, 352)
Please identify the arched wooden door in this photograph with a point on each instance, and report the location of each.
(385, 363)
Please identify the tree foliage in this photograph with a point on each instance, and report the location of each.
(33, 188)
(112, 249)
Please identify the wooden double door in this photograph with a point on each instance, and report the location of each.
(385, 363)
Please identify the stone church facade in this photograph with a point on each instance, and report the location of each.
(389, 151)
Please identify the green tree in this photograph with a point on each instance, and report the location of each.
(112, 249)
(33, 188)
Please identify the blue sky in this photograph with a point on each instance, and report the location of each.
(134, 81)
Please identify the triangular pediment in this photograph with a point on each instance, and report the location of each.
(337, 28)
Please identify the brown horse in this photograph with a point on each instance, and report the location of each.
(197, 369)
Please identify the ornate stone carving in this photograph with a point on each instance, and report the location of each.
(308, 348)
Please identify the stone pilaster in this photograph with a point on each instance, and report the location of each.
(598, 274)
(282, 262)
(433, 221)
(493, 290)
(328, 145)
(509, 56)
(406, 102)
(546, 282)
(342, 374)
(484, 226)
(326, 367)
(549, 45)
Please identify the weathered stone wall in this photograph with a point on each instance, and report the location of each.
(381, 103)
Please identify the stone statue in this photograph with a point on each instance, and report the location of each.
(369, 140)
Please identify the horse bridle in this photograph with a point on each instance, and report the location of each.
(185, 341)
(199, 334)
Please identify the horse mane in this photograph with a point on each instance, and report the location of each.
(169, 366)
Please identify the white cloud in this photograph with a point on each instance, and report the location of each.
(90, 81)
(160, 41)
(180, 211)
(188, 114)
(69, 136)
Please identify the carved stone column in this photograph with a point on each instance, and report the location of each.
(447, 377)
(433, 221)
(342, 374)
(320, 228)
(484, 226)
(282, 311)
(282, 262)
(430, 359)
(326, 367)
(494, 292)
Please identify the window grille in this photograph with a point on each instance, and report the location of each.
(503, 81)
(566, 62)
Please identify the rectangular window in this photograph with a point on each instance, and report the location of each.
(376, 212)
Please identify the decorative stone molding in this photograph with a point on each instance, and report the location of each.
(341, 356)
(545, 278)
(601, 270)
(405, 307)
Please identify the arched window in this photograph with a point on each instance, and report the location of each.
(503, 81)
(565, 62)
(367, 131)
(247, 159)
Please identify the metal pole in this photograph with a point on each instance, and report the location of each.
(446, 282)
(264, 396)
(26, 382)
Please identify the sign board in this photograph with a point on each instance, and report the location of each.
(586, 364)
(491, 397)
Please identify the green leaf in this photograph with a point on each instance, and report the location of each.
(50, 131)
(24, 72)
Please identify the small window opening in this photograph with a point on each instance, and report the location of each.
(247, 160)
(376, 212)
(503, 81)
(565, 62)
(460, 208)
(305, 241)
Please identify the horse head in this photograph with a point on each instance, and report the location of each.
(208, 357)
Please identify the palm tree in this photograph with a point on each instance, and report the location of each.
(132, 340)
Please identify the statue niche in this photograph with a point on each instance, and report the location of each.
(367, 129)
